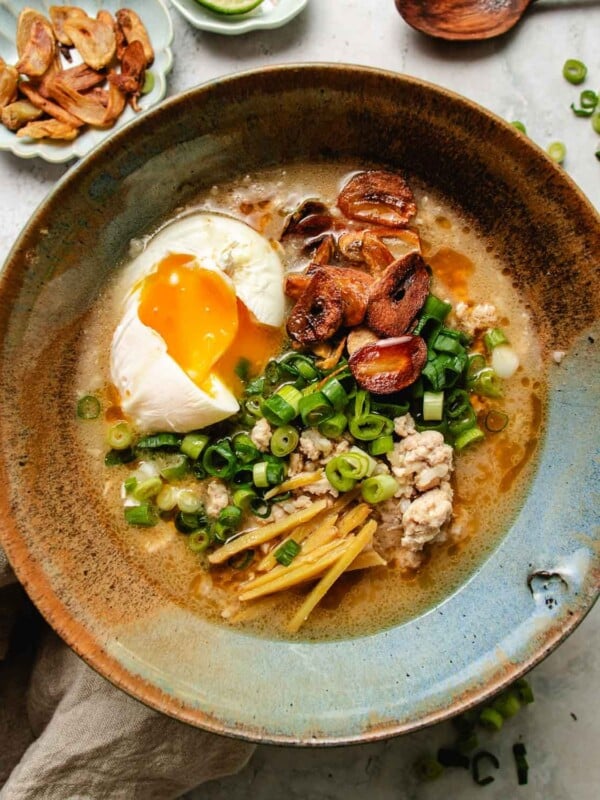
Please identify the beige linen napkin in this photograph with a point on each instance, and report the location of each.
(68, 734)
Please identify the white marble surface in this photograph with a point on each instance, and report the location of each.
(517, 77)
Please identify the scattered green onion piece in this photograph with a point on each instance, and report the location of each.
(244, 448)
(427, 768)
(287, 552)
(148, 488)
(490, 719)
(496, 421)
(334, 426)
(466, 744)
(88, 407)
(116, 457)
(370, 426)
(557, 151)
(456, 404)
(353, 464)
(519, 126)
(188, 522)
(476, 363)
(275, 473)
(378, 488)
(198, 470)
(260, 507)
(468, 437)
(148, 84)
(340, 482)
(193, 444)
(362, 403)
(219, 461)
(199, 541)
(242, 369)
(443, 370)
(243, 476)
(485, 382)
(447, 341)
(129, 484)
(283, 406)
(336, 394)
(382, 445)
(519, 753)
(574, 71)
(427, 327)
(391, 410)
(581, 112)
(176, 469)
(242, 560)
(143, 515)
(284, 440)
(243, 497)
(314, 408)
(493, 338)
(166, 499)
(253, 407)
(259, 474)
(188, 501)
(483, 755)
(596, 122)
(282, 497)
(434, 307)
(433, 406)
(119, 436)
(440, 427)
(524, 691)
(448, 757)
(255, 386)
(157, 440)
(230, 517)
(272, 372)
(507, 704)
(220, 533)
(298, 364)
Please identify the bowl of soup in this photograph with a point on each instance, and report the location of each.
(298, 372)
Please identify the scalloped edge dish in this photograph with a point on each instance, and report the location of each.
(270, 14)
(156, 17)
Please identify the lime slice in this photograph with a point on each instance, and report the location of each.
(230, 6)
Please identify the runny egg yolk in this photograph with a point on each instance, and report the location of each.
(207, 329)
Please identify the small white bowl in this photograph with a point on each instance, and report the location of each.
(269, 14)
(157, 20)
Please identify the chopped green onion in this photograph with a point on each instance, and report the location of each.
(284, 440)
(272, 372)
(447, 341)
(219, 461)
(440, 427)
(596, 121)
(370, 426)
(243, 476)
(581, 112)
(242, 369)
(88, 407)
(199, 541)
(283, 406)
(244, 448)
(382, 445)
(230, 517)
(574, 71)
(524, 691)
(255, 386)
(519, 126)
(427, 327)
(340, 482)
(448, 757)
(115, 457)
(434, 307)
(188, 501)
(198, 470)
(496, 421)
(456, 404)
(476, 362)
(334, 426)
(260, 507)
(519, 753)
(148, 84)
(557, 151)
(493, 338)
(143, 515)
(485, 382)
(253, 407)
(353, 464)
(129, 484)
(507, 704)
(266, 473)
(242, 560)
(157, 440)
(176, 468)
(433, 406)
(336, 394)
(193, 444)
(166, 499)
(391, 410)
(314, 408)
(148, 488)
(119, 436)
(378, 488)
(243, 497)
(287, 552)
(188, 521)
(490, 719)
(362, 403)
(468, 437)
(483, 755)
(444, 370)
(427, 768)
(299, 365)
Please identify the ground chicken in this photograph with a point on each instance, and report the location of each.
(404, 426)
(421, 459)
(261, 435)
(424, 518)
(314, 445)
(217, 497)
(477, 318)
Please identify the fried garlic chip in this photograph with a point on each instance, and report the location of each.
(36, 44)
(133, 67)
(48, 129)
(61, 14)
(48, 106)
(17, 114)
(135, 31)
(94, 40)
(98, 107)
(9, 78)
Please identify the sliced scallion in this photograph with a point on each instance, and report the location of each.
(129, 484)
(287, 552)
(219, 461)
(507, 704)
(88, 407)
(148, 84)
(490, 719)
(449, 757)
(574, 71)
(176, 468)
(428, 768)
(378, 488)
(143, 515)
(260, 507)
(596, 122)
(166, 499)
(557, 151)
(284, 440)
(468, 437)
(519, 126)
(496, 421)
(242, 560)
(188, 522)
(334, 426)
(193, 444)
(230, 517)
(244, 448)
(382, 445)
(336, 394)
(119, 436)
(199, 541)
(243, 497)
(342, 483)
(524, 691)
(157, 441)
(493, 338)
(148, 488)
(314, 408)
(115, 457)
(188, 501)
(370, 426)
(283, 406)
(433, 406)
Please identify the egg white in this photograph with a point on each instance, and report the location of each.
(155, 392)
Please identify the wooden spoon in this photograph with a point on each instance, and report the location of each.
(462, 19)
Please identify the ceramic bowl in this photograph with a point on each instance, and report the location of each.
(526, 596)
(268, 15)
(158, 23)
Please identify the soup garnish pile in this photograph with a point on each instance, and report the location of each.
(289, 391)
